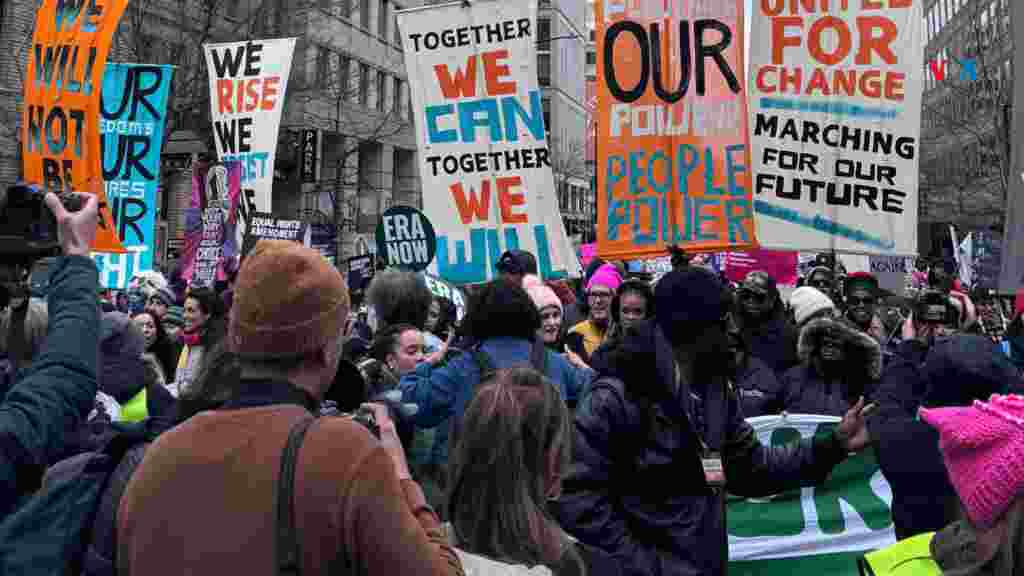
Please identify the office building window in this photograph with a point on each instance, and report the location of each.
(364, 14)
(322, 68)
(382, 20)
(544, 69)
(344, 80)
(398, 33)
(591, 58)
(345, 8)
(325, 4)
(382, 79)
(364, 84)
(397, 99)
(543, 34)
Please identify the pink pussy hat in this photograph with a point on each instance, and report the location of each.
(607, 276)
(983, 448)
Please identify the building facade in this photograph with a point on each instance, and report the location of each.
(966, 114)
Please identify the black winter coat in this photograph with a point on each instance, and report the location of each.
(758, 388)
(636, 487)
(804, 391)
(773, 342)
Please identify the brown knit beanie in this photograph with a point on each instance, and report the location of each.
(288, 301)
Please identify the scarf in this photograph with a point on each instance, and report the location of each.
(191, 339)
(955, 548)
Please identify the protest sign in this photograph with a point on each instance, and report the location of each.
(211, 222)
(988, 259)
(835, 113)
(587, 253)
(263, 225)
(247, 90)
(61, 110)
(133, 110)
(672, 128)
(485, 161)
(324, 239)
(442, 289)
(819, 530)
(782, 266)
(311, 143)
(891, 272)
(405, 238)
(360, 272)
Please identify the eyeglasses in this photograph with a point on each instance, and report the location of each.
(600, 296)
(854, 301)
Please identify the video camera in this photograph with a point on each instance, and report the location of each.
(934, 307)
(28, 236)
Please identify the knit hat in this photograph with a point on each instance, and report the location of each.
(983, 448)
(807, 301)
(121, 348)
(607, 276)
(175, 316)
(543, 297)
(288, 300)
(517, 262)
(687, 299)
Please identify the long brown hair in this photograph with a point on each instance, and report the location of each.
(498, 501)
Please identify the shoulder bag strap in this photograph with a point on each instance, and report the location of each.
(287, 544)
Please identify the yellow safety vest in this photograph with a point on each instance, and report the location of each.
(135, 409)
(910, 557)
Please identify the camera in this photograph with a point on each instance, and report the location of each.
(934, 307)
(366, 418)
(28, 230)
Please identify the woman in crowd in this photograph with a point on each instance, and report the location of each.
(550, 308)
(158, 344)
(442, 317)
(634, 301)
(585, 337)
(507, 466)
(396, 351)
(204, 327)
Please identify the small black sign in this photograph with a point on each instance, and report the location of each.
(310, 155)
(266, 226)
(406, 239)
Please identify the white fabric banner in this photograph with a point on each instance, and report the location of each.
(835, 105)
(485, 160)
(248, 81)
(850, 512)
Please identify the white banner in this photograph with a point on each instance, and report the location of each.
(248, 81)
(485, 162)
(849, 513)
(835, 104)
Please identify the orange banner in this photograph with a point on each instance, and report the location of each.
(61, 122)
(673, 152)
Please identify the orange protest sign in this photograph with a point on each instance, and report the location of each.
(61, 122)
(672, 147)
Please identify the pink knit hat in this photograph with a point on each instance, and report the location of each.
(983, 447)
(541, 295)
(607, 276)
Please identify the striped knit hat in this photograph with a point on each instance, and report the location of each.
(983, 448)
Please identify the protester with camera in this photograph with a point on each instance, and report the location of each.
(51, 399)
(356, 507)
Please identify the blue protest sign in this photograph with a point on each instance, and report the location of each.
(133, 113)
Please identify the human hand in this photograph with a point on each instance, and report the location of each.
(909, 333)
(575, 359)
(439, 356)
(389, 439)
(75, 230)
(852, 432)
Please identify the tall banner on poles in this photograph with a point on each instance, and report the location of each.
(835, 119)
(485, 159)
(672, 155)
(247, 90)
(61, 112)
(133, 110)
(819, 530)
(211, 223)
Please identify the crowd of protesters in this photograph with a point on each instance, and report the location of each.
(271, 424)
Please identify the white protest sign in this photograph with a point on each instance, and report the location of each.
(835, 105)
(484, 155)
(247, 91)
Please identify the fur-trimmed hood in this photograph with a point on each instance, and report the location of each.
(861, 349)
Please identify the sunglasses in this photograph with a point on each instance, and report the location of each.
(855, 301)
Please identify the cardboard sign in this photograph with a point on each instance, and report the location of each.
(133, 110)
(835, 124)
(484, 155)
(673, 161)
(61, 109)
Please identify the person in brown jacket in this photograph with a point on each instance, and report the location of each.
(203, 501)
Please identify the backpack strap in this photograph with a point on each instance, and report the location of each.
(287, 544)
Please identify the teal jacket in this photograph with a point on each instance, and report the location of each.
(51, 398)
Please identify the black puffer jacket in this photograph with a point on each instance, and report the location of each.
(758, 388)
(636, 488)
(804, 391)
(773, 342)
